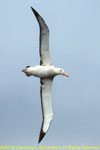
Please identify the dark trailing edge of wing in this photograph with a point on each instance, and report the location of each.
(42, 134)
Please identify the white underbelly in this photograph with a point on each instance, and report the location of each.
(43, 71)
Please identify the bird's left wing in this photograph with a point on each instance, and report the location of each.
(45, 58)
(46, 105)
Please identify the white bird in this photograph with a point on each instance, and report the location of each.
(46, 72)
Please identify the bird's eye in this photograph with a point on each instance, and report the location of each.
(61, 70)
(27, 66)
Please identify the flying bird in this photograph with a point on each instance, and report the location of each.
(46, 71)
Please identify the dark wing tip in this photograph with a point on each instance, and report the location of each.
(42, 134)
(40, 20)
(34, 11)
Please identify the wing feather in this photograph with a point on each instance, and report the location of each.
(45, 58)
(46, 104)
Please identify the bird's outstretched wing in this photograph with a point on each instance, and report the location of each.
(45, 58)
(46, 105)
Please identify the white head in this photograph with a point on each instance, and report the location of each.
(61, 72)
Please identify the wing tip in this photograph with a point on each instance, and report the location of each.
(34, 11)
(32, 8)
(40, 19)
(42, 134)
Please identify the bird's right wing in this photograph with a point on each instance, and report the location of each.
(46, 105)
(45, 58)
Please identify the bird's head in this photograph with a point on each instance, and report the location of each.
(61, 72)
(26, 71)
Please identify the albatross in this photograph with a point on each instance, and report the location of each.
(46, 71)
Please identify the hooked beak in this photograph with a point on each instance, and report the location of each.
(65, 74)
(24, 70)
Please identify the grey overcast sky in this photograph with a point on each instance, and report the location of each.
(75, 46)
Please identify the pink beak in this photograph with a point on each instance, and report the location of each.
(65, 74)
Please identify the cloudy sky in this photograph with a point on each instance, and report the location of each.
(75, 46)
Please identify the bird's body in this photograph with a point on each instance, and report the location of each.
(43, 71)
(46, 72)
